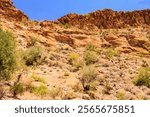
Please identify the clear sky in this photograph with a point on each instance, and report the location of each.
(53, 9)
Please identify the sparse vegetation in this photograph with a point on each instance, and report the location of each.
(17, 89)
(76, 60)
(91, 47)
(93, 85)
(38, 78)
(56, 92)
(143, 77)
(90, 57)
(77, 87)
(33, 41)
(89, 75)
(91, 54)
(7, 55)
(74, 56)
(39, 90)
(110, 53)
(34, 56)
(81, 57)
(120, 95)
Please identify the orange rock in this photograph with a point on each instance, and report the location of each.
(107, 18)
(9, 11)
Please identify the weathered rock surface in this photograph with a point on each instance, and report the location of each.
(107, 18)
(9, 11)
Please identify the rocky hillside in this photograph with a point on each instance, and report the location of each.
(100, 55)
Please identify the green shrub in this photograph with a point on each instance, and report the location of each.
(76, 60)
(89, 75)
(17, 89)
(7, 55)
(110, 53)
(120, 95)
(38, 78)
(41, 90)
(74, 56)
(91, 47)
(90, 57)
(34, 56)
(143, 77)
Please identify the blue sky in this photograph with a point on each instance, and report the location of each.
(53, 9)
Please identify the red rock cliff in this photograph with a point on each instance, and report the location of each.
(7, 10)
(107, 19)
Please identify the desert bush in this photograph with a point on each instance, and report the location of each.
(56, 92)
(91, 47)
(74, 56)
(76, 60)
(90, 57)
(38, 78)
(89, 75)
(17, 89)
(143, 77)
(33, 41)
(110, 53)
(7, 55)
(120, 95)
(39, 90)
(34, 56)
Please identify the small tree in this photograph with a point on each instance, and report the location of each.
(7, 55)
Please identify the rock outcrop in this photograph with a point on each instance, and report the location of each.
(107, 18)
(7, 10)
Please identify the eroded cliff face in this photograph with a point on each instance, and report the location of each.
(8, 10)
(125, 31)
(104, 19)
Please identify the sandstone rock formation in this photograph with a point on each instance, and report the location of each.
(107, 18)
(9, 11)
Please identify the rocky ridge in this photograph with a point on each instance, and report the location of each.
(107, 18)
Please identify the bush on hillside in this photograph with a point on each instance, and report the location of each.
(7, 55)
(34, 56)
(143, 77)
(90, 57)
(89, 75)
